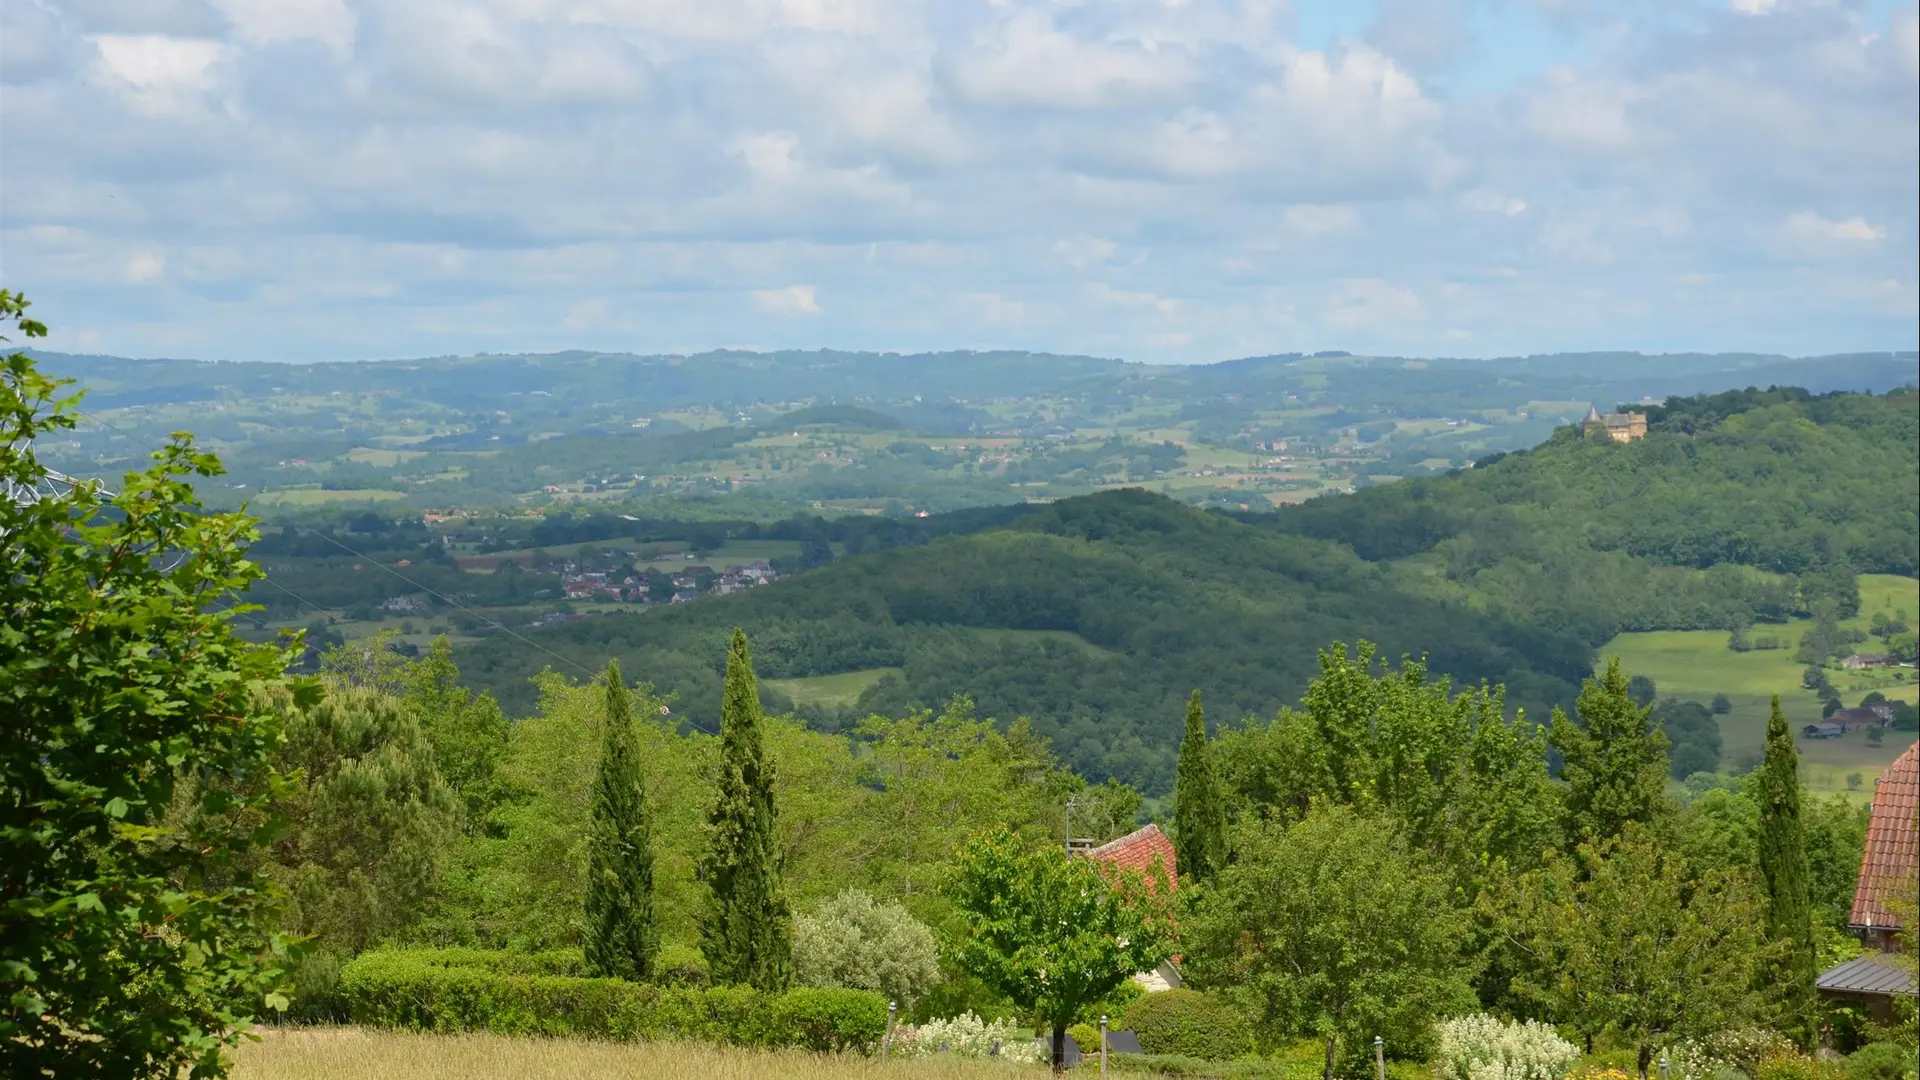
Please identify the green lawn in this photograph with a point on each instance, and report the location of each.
(834, 691)
(1696, 665)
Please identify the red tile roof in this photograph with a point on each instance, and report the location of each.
(1140, 850)
(1893, 841)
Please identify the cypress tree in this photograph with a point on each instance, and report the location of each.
(747, 930)
(1783, 866)
(1199, 814)
(1614, 760)
(621, 937)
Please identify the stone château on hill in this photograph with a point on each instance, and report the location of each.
(1619, 426)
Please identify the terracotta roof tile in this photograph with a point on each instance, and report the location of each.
(1140, 850)
(1893, 840)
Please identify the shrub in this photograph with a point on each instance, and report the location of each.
(680, 965)
(1486, 1048)
(1791, 1065)
(967, 1035)
(1740, 1050)
(1177, 1065)
(426, 991)
(857, 941)
(1188, 1023)
(1881, 1061)
(1087, 1038)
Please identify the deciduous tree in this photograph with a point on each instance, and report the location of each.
(1335, 929)
(135, 929)
(1624, 937)
(1050, 930)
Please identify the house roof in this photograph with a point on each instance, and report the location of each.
(1893, 841)
(1867, 974)
(1140, 850)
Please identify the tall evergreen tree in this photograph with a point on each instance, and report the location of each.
(1783, 866)
(1199, 813)
(1614, 759)
(622, 937)
(747, 930)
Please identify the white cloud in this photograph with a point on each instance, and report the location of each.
(1320, 220)
(791, 300)
(1027, 60)
(161, 72)
(1805, 225)
(144, 267)
(266, 22)
(1370, 304)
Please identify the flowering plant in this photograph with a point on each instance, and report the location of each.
(1483, 1047)
(967, 1035)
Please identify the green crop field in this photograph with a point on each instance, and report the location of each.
(318, 497)
(835, 691)
(1696, 665)
(356, 1054)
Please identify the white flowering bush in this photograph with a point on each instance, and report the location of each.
(1487, 1048)
(967, 1035)
(1737, 1051)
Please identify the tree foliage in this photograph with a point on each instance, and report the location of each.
(1783, 870)
(1333, 928)
(1053, 931)
(621, 934)
(747, 931)
(1623, 936)
(136, 936)
(1614, 760)
(857, 941)
(1199, 811)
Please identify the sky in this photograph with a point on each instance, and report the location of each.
(1167, 181)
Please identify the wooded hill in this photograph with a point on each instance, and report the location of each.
(1752, 505)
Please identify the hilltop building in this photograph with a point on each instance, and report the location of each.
(1619, 426)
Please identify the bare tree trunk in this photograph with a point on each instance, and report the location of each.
(1646, 1059)
(1060, 1048)
(1326, 1073)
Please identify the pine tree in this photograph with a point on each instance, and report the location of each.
(1615, 760)
(1783, 866)
(747, 930)
(1199, 815)
(621, 937)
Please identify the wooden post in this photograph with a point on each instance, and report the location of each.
(1103, 1044)
(1380, 1057)
(886, 1044)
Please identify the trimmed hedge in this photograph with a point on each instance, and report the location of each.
(429, 990)
(1187, 1023)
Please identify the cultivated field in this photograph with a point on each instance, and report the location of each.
(354, 1054)
(1696, 664)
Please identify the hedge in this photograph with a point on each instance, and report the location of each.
(434, 990)
(1187, 1023)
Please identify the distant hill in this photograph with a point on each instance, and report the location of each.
(1742, 504)
(1095, 616)
(582, 382)
(1145, 598)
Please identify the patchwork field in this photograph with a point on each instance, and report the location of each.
(354, 1054)
(1696, 665)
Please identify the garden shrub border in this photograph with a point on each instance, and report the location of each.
(465, 990)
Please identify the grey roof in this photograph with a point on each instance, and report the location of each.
(1868, 974)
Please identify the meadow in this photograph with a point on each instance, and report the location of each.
(1696, 664)
(356, 1054)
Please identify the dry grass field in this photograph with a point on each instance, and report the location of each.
(356, 1054)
